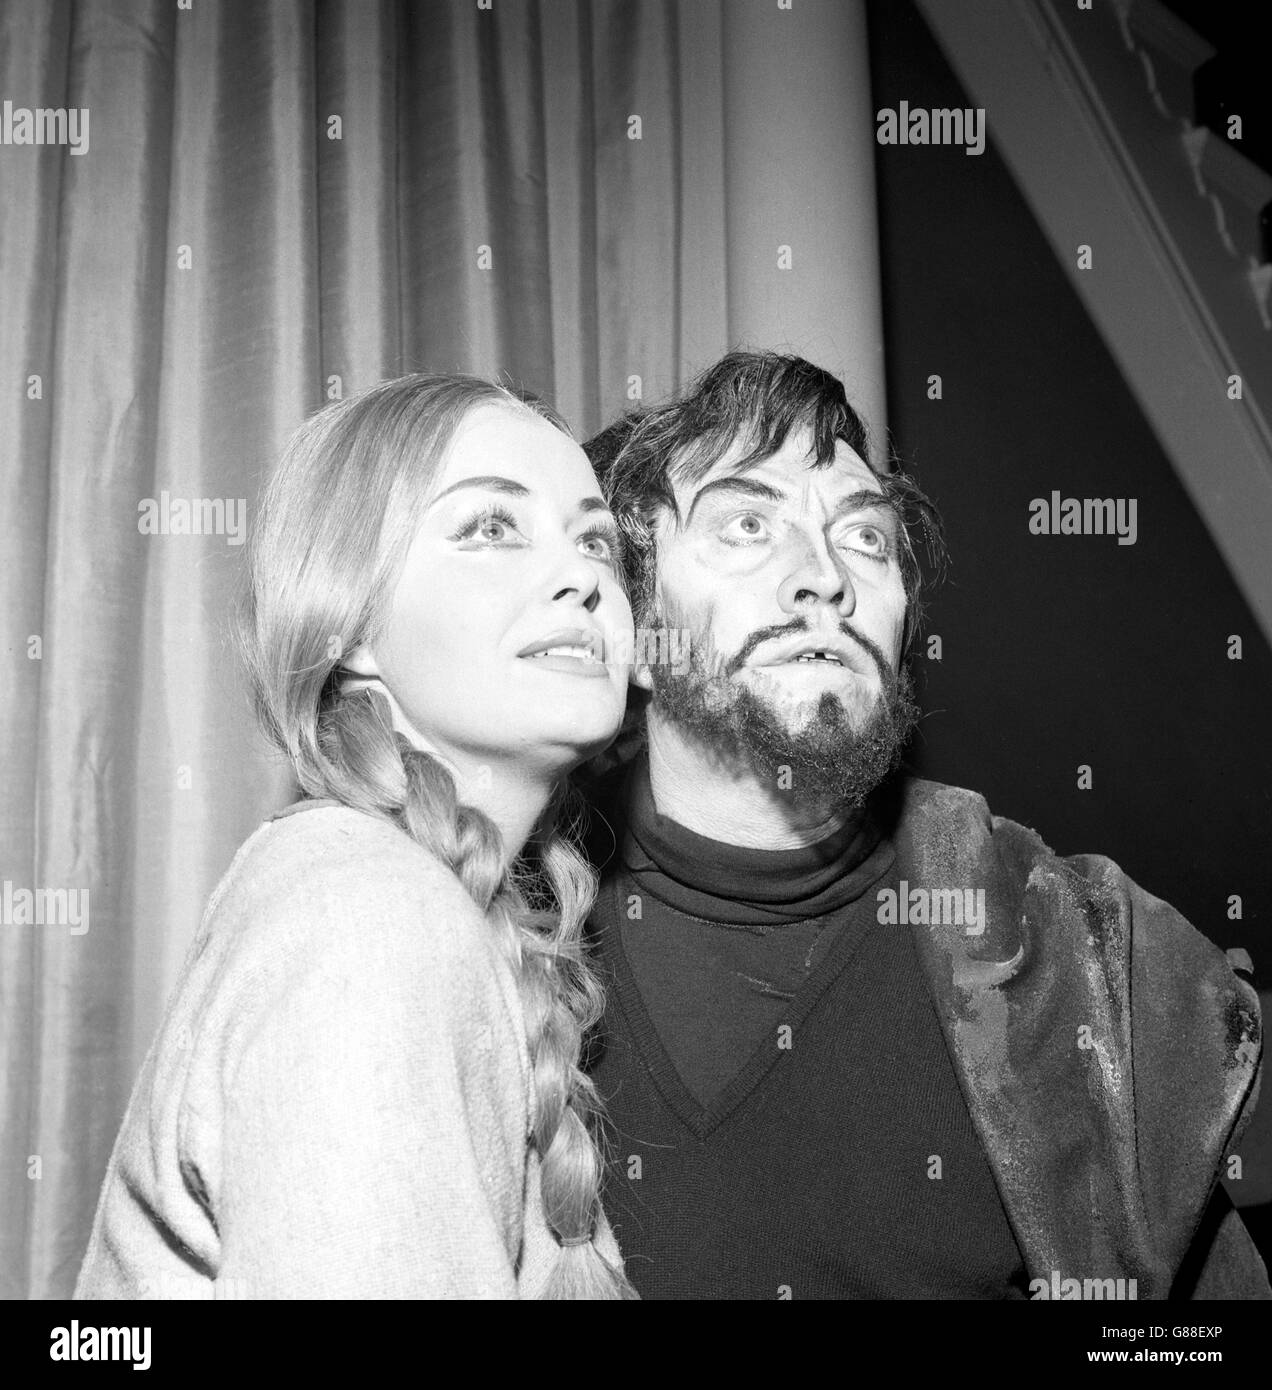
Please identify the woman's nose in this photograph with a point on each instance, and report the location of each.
(575, 575)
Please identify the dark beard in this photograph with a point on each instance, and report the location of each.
(826, 761)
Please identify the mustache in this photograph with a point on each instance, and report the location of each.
(767, 634)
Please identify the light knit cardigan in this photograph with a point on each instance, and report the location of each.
(339, 1100)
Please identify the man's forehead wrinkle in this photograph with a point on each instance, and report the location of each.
(861, 479)
(690, 474)
(697, 462)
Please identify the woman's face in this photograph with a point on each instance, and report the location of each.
(517, 554)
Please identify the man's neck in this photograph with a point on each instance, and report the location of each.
(733, 805)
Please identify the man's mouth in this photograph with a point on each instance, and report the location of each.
(823, 660)
(825, 650)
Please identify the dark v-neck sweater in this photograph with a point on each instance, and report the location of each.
(786, 1120)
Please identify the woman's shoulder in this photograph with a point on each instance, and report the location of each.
(326, 878)
(319, 846)
(340, 959)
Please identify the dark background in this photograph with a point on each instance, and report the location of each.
(1059, 650)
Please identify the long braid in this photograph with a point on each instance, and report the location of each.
(367, 765)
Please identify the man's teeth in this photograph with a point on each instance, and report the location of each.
(582, 653)
(819, 656)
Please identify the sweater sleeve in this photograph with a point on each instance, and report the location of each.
(372, 1140)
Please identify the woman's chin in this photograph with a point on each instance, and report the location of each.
(570, 748)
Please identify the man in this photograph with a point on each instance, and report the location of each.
(864, 1039)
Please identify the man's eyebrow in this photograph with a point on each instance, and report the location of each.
(861, 500)
(494, 482)
(751, 487)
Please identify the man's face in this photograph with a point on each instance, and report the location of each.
(788, 581)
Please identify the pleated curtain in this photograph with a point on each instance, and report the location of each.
(280, 203)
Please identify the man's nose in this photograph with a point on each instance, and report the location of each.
(818, 575)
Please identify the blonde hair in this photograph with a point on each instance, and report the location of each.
(331, 535)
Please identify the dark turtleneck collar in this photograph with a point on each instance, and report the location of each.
(737, 884)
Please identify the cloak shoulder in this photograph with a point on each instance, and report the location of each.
(1108, 1051)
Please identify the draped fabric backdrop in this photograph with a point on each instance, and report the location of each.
(280, 203)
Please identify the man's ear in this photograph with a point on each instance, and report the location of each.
(642, 677)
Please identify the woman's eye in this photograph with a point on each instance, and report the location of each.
(603, 545)
(492, 526)
(746, 526)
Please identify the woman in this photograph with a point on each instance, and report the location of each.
(367, 1083)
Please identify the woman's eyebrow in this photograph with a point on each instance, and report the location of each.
(493, 481)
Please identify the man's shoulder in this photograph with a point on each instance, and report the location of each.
(956, 826)
(1096, 1016)
(951, 833)
(942, 807)
(1070, 914)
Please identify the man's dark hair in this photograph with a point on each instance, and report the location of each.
(756, 398)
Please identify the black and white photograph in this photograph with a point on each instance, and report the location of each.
(636, 665)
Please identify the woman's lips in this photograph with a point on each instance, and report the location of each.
(584, 664)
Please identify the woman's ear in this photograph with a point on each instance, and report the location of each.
(361, 662)
(640, 676)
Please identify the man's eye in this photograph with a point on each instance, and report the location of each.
(869, 540)
(746, 526)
